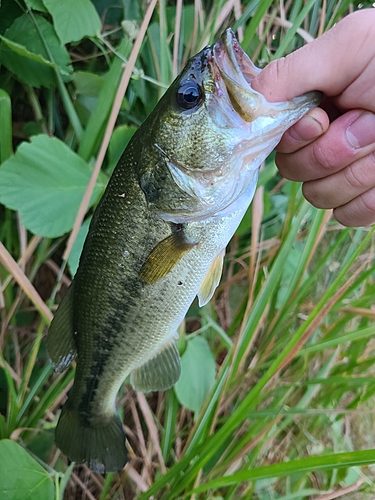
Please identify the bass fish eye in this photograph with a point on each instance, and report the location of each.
(189, 95)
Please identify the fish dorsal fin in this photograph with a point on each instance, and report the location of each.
(160, 372)
(164, 257)
(61, 346)
(211, 280)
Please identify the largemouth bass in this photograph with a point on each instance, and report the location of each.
(157, 240)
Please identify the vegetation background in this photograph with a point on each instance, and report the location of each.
(276, 397)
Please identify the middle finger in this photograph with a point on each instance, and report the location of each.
(343, 186)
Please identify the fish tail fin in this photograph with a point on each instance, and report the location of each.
(101, 447)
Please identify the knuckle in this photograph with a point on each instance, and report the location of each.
(323, 157)
(368, 201)
(354, 177)
(279, 67)
(360, 175)
(276, 68)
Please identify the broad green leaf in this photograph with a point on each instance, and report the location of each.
(84, 22)
(75, 254)
(87, 83)
(197, 374)
(36, 5)
(20, 50)
(5, 126)
(45, 181)
(21, 477)
(24, 53)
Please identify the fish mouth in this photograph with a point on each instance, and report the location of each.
(233, 63)
(237, 71)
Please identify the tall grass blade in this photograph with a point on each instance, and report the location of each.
(311, 464)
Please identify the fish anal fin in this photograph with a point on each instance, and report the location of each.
(164, 257)
(211, 280)
(160, 372)
(101, 446)
(61, 346)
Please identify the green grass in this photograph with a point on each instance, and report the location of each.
(289, 331)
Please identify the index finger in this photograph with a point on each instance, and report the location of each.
(306, 130)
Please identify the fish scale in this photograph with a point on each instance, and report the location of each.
(157, 240)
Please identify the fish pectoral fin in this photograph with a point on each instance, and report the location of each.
(211, 280)
(61, 345)
(164, 257)
(160, 372)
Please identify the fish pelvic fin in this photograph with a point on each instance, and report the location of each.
(160, 372)
(165, 256)
(101, 447)
(61, 345)
(211, 280)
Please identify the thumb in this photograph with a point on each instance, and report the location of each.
(330, 63)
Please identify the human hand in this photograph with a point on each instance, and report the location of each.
(332, 149)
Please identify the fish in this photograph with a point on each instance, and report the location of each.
(157, 240)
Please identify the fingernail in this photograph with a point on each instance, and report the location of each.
(361, 132)
(306, 129)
